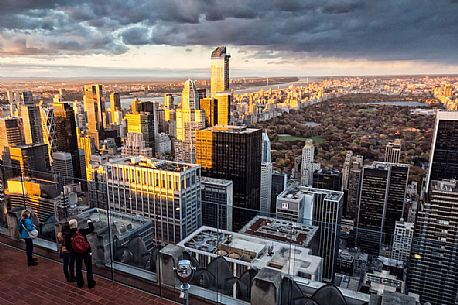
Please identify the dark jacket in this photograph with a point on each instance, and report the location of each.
(84, 232)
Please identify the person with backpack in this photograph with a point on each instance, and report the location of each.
(67, 255)
(76, 240)
(27, 232)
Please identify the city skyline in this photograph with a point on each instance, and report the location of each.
(57, 39)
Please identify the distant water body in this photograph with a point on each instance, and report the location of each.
(399, 103)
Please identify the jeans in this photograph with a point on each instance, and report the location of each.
(87, 258)
(28, 248)
(69, 265)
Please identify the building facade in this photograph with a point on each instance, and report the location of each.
(233, 153)
(168, 193)
(217, 203)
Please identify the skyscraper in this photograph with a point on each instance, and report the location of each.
(444, 150)
(219, 81)
(189, 119)
(63, 167)
(223, 107)
(30, 160)
(31, 120)
(233, 153)
(381, 204)
(402, 241)
(279, 183)
(140, 134)
(354, 186)
(189, 96)
(217, 203)
(169, 193)
(266, 175)
(328, 179)
(308, 166)
(433, 272)
(321, 208)
(10, 133)
(266, 151)
(94, 106)
(393, 152)
(266, 187)
(66, 137)
(115, 108)
(209, 105)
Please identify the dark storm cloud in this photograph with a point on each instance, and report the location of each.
(371, 29)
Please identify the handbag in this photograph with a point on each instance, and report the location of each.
(32, 233)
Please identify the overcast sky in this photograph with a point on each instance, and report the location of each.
(174, 38)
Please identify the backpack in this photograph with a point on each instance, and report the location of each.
(79, 243)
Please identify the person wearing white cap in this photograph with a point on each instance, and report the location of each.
(77, 242)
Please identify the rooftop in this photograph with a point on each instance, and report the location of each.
(45, 284)
(296, 193)
(152, 163)
(231, 129)
(220, 182)
(280, 230)
(253, 251)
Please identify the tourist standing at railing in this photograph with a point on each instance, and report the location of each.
(27, 231)
(77, 242)
(67, 255)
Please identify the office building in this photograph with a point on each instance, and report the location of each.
(402, 241)
(37, 194)
(66, 135)
(48, 128)
(62, 167)
(444, 151)
(217, 203)
(31, 121)
(328, 179)
(96, 182)
(321, 208)
(353, 172)
(223, 108)
(351, 162)
(30, 160)
(433, 272)
(94, 106)
(219, 79)
(393, 152)
(381, 204)
(10, 133)
(210, 107)
(190, 96)
(279, 182)
(162, 144)
(189, 119)
(266, 155)
(115, 108)
(233, 153)
(140, 135)
(168, 193)
(308, 166)
(266, 187)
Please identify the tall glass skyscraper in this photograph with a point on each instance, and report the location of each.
(219, 71)
(233, 153)
(444, 151)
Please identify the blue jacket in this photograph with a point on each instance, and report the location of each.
(28, 225)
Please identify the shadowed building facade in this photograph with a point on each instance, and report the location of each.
(233, 153)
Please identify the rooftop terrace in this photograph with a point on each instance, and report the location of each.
(45, 284)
